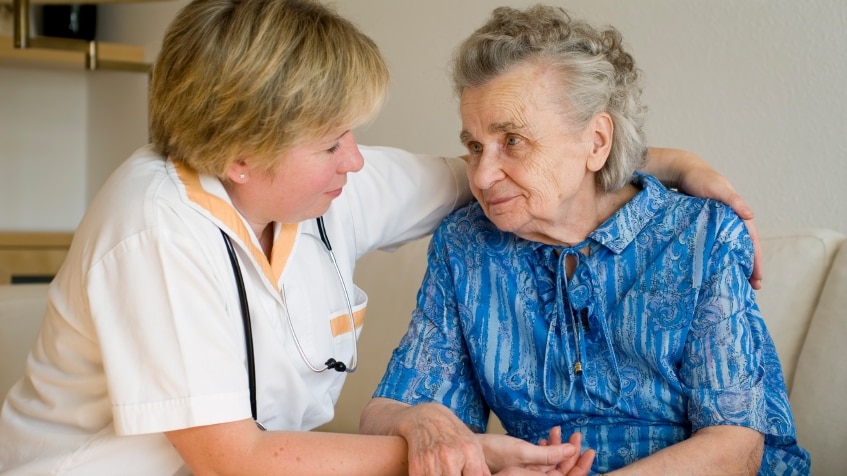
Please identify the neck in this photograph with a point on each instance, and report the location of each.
(266, 239)
(584, 216)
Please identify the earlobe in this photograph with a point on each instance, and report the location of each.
(602, 130)
(237, 171)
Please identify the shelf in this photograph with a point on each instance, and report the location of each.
(68, 2)
(24, 48)
(110, 52)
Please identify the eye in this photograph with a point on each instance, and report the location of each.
(334, 148)
(513, 140)
(475, 148)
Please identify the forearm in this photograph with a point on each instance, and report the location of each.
(383, 416)
(236, 449)
(729, 450)
(668, 165)
(310, 453)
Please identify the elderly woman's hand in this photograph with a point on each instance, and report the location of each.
(577, 464)
(557, 464)
(439, 443)
(508, 456)
(694, 176)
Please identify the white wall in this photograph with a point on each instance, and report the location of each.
(42, 149)
(755, 87)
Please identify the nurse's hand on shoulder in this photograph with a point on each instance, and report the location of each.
(706, 182)
(694, 176)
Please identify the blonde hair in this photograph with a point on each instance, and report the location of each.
(596, 75)
(258, 77)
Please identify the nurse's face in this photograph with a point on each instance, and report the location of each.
(304, 182)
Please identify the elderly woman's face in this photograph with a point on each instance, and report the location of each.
(529, 168)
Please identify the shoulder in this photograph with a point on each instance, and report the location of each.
(682, 211)
(711, 229)
(398, 196)
(704, 226)
(399, 169)
(142, 198)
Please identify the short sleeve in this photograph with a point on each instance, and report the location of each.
(729, 367)
(172, 354)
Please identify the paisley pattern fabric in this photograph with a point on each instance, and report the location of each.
(656, 334)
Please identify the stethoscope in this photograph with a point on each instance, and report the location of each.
(330, 363)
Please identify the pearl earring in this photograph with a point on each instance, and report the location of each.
(242, 176)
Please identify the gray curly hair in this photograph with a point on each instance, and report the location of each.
(597, 74)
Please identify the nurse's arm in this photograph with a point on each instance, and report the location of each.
(240, 448)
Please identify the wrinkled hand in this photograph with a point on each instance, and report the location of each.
(703, 181)
(440, 444)
(576, 465)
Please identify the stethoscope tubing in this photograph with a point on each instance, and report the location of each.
(331, 363)
(245, 318)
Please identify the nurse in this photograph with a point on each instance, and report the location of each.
(199, 303)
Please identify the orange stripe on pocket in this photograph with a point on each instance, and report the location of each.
(341, 324)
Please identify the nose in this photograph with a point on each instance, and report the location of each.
(485, 170)
(352, 160)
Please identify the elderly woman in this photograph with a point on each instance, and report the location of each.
(577, 293)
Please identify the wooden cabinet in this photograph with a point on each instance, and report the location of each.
(32, 257)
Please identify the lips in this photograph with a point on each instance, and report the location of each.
(499, 200)
(334, 193)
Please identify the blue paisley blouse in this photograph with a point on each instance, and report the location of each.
(656, 334)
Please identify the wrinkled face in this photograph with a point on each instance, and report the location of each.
(303, 183)
(527, 165)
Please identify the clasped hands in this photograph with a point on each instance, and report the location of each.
(440, 444)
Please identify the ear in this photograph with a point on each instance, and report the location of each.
(237, 171)
(601, 130)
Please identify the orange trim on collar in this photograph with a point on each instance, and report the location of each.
(226, 213)
(283, 245)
